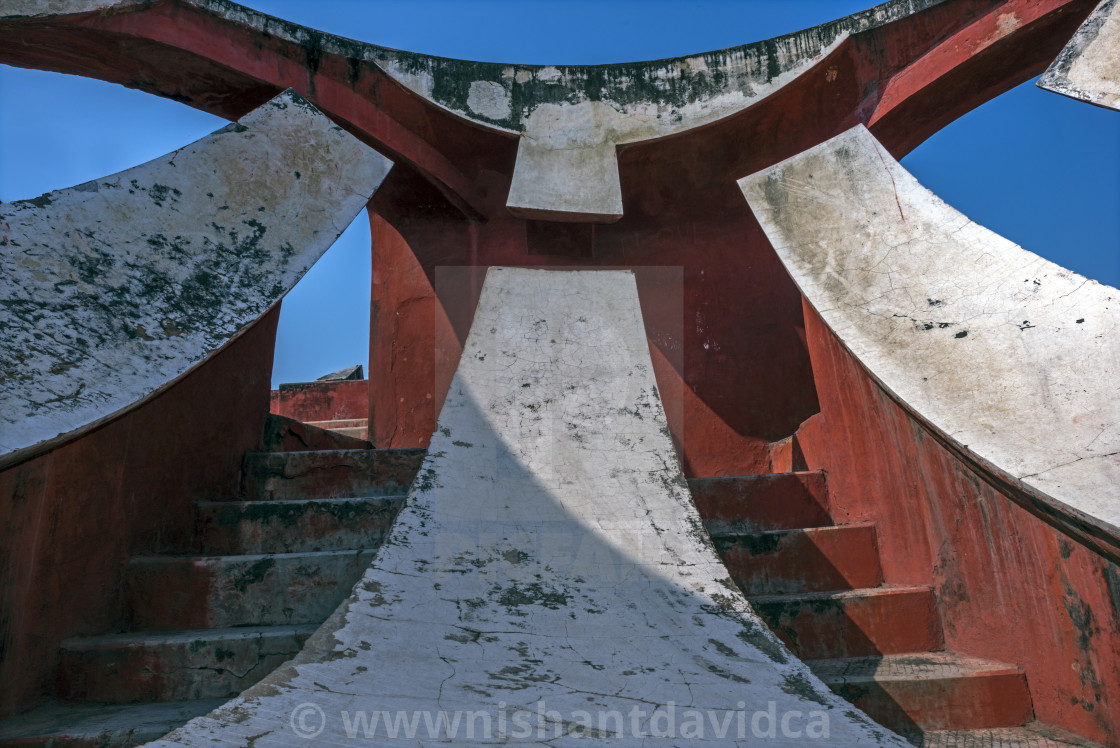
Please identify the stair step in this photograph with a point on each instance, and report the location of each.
(843, 557)
(357, 432)
(174, 665)
(931, 691)
(855, 623)
(340, 473)
(1033, 735)
(197, 592)
(289, 435)
(230, 527)
(98, 725)
(753, 503)
(357, 428)
(344, 423)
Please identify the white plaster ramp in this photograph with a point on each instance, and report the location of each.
(1088, 68)
(113, 289)
(548, 581)
(1011, 361)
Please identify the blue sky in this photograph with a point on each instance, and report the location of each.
(1038, 168)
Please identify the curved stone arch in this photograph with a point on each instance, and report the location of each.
(116, 288)
(690, 90)
(982, 342)
(600, 107)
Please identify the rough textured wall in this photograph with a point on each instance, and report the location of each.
(1089, 67)
(113, 289)
(70, 518)
(413, 349)
(1010, 587)
(321, 401)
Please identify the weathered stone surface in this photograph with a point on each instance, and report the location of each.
(649, 98)
(932, 690)
(42, 8)
(572, 117)
(549, 559)
(115, 288)
(324, 474)
(854, 623)
(558, 177)
(99, 725)
(149, 666)
(348, 374)
(269, 589)
(1089, 67)
(1010, 359)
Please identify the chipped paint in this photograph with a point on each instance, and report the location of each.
(116, 288)
(981, 340)
(1088, 68)
(624, 103)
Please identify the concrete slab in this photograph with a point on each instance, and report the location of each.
(115, 288)
(1010, 360)
(548, 579)
(1089, 67)
(578, 183)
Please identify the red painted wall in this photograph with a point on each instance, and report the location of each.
(1009, 586)
(70, 518)
(321, 401)
(413, 350)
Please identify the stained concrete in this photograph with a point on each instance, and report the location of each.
(571, 118)
(115, 288)
(654, 98)
(45, 8)
(548, 560)
(1009, 359)
(566, 170)
(350, 373)
(1089, 67)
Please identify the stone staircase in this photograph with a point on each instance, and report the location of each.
(820, 588)
(267, 568)
(357, 428)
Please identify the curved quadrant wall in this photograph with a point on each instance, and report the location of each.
(985, 343)
(1089, 67)
(117, 287)
(549, 570)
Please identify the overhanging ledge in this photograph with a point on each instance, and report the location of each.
(985, 344)
(115, 289)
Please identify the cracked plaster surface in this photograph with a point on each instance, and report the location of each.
(1088, 68)
(574, 179)
(548, 554)
(1014, 359)
(113, 289)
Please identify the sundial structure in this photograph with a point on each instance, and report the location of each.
(691, 415)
